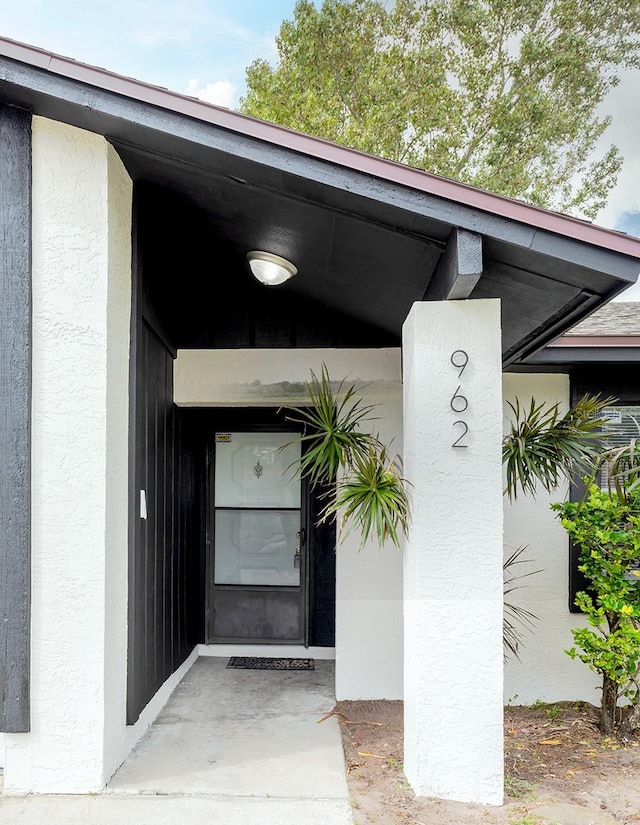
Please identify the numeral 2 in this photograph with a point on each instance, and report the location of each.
(457, 443)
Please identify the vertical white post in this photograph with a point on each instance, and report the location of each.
(453, 557)
(81, 311)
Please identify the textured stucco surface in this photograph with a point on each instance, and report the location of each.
(119, 192)
(544, 671)
(81, 308)
(369, 632)
(453, 557)
(368, 581)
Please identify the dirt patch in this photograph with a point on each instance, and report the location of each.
(553, 753)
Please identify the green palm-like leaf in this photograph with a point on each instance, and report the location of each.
(544, 447)
(331, 429)
(373, 497)
(516, 619)
(623, 468)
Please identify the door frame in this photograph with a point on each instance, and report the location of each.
(305, 567)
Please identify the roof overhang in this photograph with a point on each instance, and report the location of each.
(369, 237)
(564, 359)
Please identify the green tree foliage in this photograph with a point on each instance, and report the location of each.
(606, 527)
(501, 94)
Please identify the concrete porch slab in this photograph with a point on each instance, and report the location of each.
(242, 733)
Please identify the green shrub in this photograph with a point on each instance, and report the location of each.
(605, 525)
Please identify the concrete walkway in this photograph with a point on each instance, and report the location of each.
(230, 746)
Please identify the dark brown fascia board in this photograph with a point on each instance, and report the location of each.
(423, 182)
(568, 357)
(570, 341)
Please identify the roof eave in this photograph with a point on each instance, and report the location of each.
(317, 148)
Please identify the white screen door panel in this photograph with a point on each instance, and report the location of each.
(257, 547)
(257, 470)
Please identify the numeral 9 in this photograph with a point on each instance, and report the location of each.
(459, 359)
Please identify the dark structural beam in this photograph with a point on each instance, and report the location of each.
(459, 269)
(15, 413)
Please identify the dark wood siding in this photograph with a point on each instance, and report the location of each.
(164, 552)
(15, 414)
(322, 573)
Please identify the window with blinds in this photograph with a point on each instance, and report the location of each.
(623, 425)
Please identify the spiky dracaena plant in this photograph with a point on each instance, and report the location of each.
(373, 496)
(622, 466)
(516, 619)
(369, 489)
(544, 447)
(332, 438)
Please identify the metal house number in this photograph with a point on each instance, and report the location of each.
(460, 403)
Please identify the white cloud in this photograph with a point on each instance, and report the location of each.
(624, 131)
(220, 92)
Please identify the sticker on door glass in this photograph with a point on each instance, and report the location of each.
(223, 438)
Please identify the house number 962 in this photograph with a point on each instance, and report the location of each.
(459, 402)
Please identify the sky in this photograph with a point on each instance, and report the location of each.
(202, 48)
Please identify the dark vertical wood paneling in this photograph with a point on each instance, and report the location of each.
(162, 553)
(134, 626)
(322, 572)
(15, 414)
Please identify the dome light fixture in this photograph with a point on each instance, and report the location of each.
(270, 269)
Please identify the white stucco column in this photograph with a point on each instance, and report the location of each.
(81, 313)
(453, 557)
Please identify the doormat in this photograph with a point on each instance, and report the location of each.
(266, 663)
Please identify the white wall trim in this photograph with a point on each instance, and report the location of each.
(269, 378)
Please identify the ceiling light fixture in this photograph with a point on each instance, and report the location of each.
(269, 269)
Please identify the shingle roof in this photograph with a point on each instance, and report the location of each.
(615, 318)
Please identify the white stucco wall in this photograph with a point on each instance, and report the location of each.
(544, 671)
(369, 581)
(453, 742)
(81, 315)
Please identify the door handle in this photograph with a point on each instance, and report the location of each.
(296, 556)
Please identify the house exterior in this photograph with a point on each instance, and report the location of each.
(142, 369)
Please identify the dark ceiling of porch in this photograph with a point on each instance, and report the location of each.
(362, 262)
